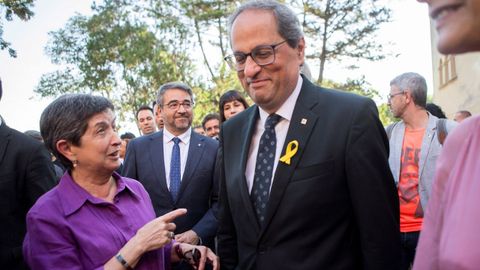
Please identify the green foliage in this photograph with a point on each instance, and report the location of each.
(13, 8)
(385, 115)
(363, 88)
(207, 101)
(115, 55)
(342, 30)
(128, 48)
(357, 86)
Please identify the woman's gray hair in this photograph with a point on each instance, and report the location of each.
(172, 85)
(66, 118)
(287, 21)
(416, 84)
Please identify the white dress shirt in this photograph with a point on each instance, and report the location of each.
(167, 151)
(281, 129)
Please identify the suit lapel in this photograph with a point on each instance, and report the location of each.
(195, 152)
(4, 139)
(245, 142)
(301, 126)
(157, 160)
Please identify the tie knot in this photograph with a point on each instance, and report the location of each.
(176, 140)
(272, 121)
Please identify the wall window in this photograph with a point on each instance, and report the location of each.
(447, 70)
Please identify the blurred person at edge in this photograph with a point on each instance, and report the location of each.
(231, 103)
(450, 238)
(158, 116)
(26, 172)
(461, 115)
(95, 218)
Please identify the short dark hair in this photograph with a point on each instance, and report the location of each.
(209, 117)
(127, 135)
(143, 108)
(66, 118)
(229, 96)
(434, 109)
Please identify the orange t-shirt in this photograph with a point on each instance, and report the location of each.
(411, 212)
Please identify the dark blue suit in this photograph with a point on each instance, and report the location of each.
(198, 191)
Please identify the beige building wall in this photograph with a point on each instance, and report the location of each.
(456, 80)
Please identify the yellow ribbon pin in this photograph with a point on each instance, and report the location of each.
(291, 150)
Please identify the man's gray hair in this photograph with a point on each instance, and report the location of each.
(287, 21)
(172, 85)
(416, 84)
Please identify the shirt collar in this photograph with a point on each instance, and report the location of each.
(73, 196)
(286, 110)
(184, 137)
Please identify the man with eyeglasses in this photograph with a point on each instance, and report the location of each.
(176, 167)
(415, 145)
(305, 182)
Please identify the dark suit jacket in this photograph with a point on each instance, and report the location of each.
(144, 162)
(26, 172)
(334, 207)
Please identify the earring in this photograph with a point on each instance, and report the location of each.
(75, 163)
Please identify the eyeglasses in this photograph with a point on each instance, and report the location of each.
(262, 55)
(175, 105)
(390, 96)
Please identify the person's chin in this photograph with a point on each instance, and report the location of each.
(182, 125)
(114, 164)
(451, 44)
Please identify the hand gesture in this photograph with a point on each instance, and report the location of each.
(158, 232)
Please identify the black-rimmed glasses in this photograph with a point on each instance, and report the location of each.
(262, 55)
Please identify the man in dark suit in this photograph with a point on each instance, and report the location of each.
(189, 184)
(304, 176)
(26, 172)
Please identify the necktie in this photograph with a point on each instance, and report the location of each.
(264, 167)
(175, 174)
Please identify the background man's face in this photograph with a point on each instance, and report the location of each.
(459, 117)
(269, 86)
(145, 122)
(212, 128)
(397, 101)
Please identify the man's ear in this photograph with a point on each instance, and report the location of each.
(301, 50)
(65, 148)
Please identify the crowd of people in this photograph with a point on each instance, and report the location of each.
(305, 178)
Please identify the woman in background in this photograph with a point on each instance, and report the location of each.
(231, 103)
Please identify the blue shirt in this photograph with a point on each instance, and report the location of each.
(68, 228)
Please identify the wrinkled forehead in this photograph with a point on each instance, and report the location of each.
(176, 95)
(252, 28)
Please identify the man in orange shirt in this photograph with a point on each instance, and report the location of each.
(414, 148)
